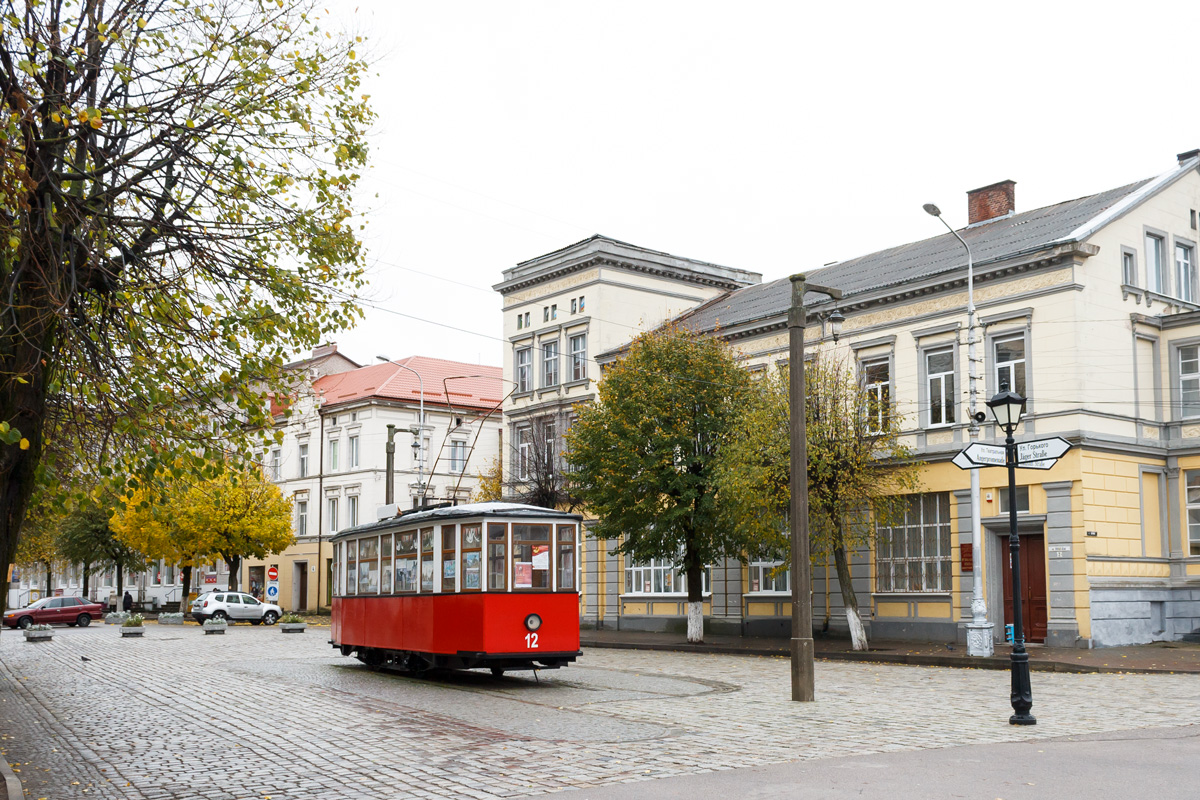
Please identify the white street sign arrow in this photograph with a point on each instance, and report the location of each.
(1047, 464)
(1041, 450)
(961, 461)
(984, 455)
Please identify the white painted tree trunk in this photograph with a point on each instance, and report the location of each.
(858, 634)
(695, 629)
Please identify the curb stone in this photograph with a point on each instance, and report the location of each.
(12, 785)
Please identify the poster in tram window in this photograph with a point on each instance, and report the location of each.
(523, 577)
(541, 556)
(472, 569)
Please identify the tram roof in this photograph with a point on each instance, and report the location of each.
(465, 510)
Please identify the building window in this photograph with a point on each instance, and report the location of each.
(579, 357)
(526, 319)
(550, 435)
(1193, 511)
(276, 466)
(550, 363)
(1189, 381)
(1129, 268)
(352, 455)
(1022, 500)
(659, 577)
(878, 386)
(303, 461)
(524, 382)
(554, 311)
(574, 305)
(421, 454)
(458, 456)
(333, 515)
(1155, 278)
(524, 453)
(545, 313)
(520, 321)
(913, 555)
(580, 304)
(770, 576)
(301, 518)
(939, 371)
(334, 453)
(1185, 277)
(1010, 364)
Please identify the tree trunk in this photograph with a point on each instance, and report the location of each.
(234, 563)
(49, 579)
(187, 589)
(858, 635)
(120, 586)
(87, 570)
(695, 607)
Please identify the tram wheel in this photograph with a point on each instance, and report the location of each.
(498, 672)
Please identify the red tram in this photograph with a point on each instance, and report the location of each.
(481, 585)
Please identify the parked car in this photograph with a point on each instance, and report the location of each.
(69, 610)
(234, 607)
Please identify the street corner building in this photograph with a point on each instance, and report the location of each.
(1090, 308)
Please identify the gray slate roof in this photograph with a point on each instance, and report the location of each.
(991, 241)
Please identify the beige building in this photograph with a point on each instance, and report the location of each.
(1091, 309)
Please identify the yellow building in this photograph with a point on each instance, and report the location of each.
(1091, 309)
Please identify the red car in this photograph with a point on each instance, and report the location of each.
(69, 610)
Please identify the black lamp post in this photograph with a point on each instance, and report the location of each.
(1008, 407)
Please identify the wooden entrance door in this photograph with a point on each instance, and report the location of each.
(300, 587)
(1034, 608)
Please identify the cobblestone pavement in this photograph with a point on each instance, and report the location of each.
(255, 714)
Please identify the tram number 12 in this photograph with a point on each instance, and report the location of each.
(531, 641)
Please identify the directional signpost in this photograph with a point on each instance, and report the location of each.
(1038, 454)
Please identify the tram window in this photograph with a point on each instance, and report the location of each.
(448, 558)
(368, 566)
(566, 557)
(427, 560)
(352, 567)
(472, 568)
(497, 556)
(385, 565)
(337, 565)
(531, 556)
(406, 561)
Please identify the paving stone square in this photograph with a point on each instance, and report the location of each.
(255, 715)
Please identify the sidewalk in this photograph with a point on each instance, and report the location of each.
(1160, 657)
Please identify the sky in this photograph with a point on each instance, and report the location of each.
(769, 136)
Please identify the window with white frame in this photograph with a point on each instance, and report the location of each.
(1189, 381)
(1185, 276)
(1156, 279)
(939, 374)
(520, 321)
(276, 465)
(352, 452)
(1129, 268)
(524, 378)
(550, 363)
(524, 453)
(579, 357)
(352, 510)
(913, 555)
(1192, 479)
(1022, 494)
(769, 576)
(301, 518)
(1009, 353)
(458, 456)
(335, 452)
(877, 383)
(660, 577)
(333, 515)
(303, 461)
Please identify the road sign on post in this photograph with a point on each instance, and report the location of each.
(1038, 454)
(985, 455)
(1041, 450)
(272, 574)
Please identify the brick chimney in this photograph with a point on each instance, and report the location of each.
(327, 349)
(989, 202)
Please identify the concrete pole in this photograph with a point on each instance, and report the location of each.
(802, 642)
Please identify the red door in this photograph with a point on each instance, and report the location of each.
(1034, 608)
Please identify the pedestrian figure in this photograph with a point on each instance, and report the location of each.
(127, 602)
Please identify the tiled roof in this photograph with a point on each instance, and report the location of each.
(992, 241)
(481, 389)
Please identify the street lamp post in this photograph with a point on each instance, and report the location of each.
(802, 642)
(1007, 407)
(418, 431)
(979, 630)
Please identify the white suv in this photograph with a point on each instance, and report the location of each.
(234, 607)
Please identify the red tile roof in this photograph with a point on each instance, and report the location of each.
(467, 385)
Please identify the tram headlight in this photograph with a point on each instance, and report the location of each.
(533, 622)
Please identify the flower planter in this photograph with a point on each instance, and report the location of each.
(115, 617)
(38, 636)
(170, 619)
(292, 627)
(132, 631)
(214, 629)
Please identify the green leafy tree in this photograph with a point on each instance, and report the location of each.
(156, 523)
(858, 470)
(40, 545)
(86, 537)
(175, 223)
(643, 455)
